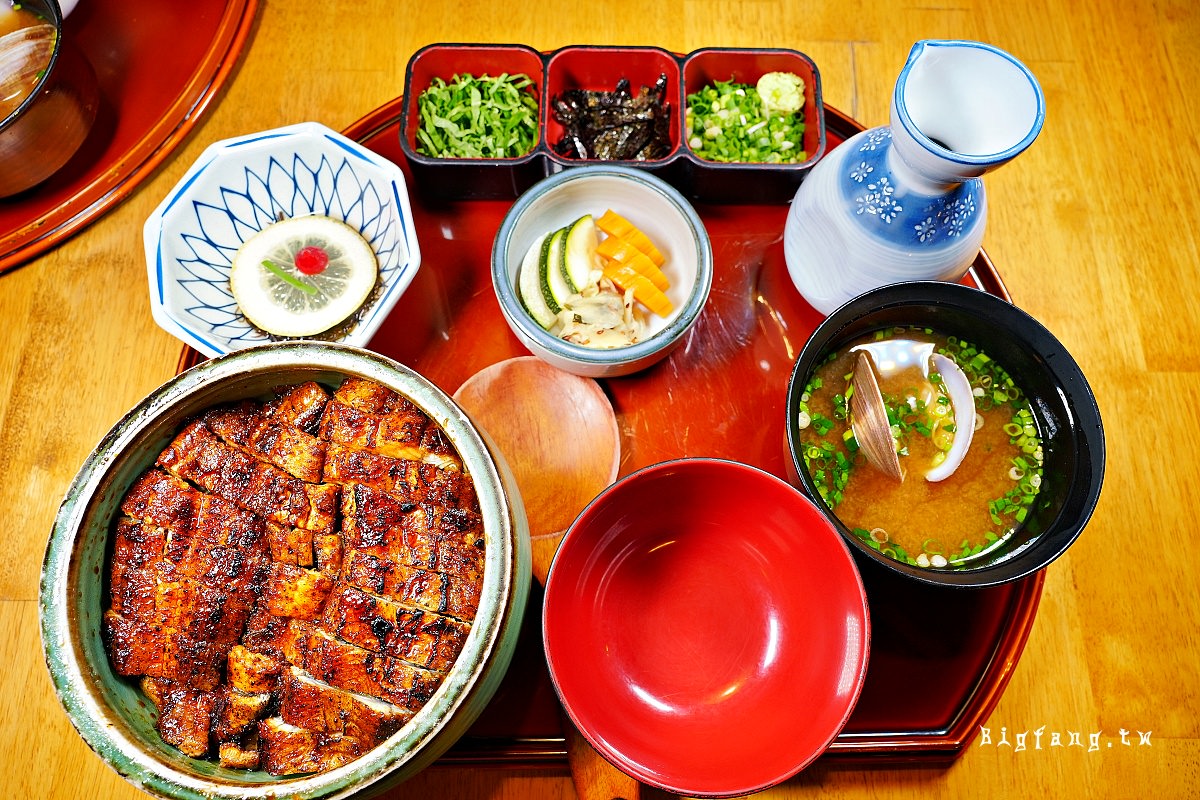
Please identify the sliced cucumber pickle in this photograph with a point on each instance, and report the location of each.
(530, 283)
(579, 253)
(554, 283)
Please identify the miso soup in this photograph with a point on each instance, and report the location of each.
(26, 46)
(941, 524)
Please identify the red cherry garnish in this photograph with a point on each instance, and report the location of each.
(312, 260)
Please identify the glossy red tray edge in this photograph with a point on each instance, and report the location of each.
(129, 168)
(939, 746)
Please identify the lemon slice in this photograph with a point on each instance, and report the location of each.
(337, 272)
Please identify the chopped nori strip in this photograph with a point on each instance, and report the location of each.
(616, 125)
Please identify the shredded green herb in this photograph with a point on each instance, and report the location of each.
(478, 117)
(993, 385)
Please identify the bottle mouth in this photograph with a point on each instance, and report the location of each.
(968, 101)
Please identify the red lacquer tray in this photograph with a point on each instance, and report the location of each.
(158, 65)
(940, 658)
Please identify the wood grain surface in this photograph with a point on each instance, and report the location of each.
(1093, 230)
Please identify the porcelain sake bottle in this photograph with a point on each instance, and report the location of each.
(905, 201)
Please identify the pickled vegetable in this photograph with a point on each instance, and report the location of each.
(731, 122)
(478, 117)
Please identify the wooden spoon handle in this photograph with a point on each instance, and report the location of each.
(594, 777)
(544, 547)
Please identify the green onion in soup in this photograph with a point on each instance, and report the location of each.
(953, 504)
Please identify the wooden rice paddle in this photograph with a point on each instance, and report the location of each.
(559, 436)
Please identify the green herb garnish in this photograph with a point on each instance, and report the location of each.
(292, 280)
(728, 122)
(478, 117)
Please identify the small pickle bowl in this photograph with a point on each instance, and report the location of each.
(62, 98)
(441, 176)
(110, 711)
(650, 204)
(1063, 411)
(701, 649)
(240, 186)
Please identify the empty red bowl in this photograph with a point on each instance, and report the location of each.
(706, 627)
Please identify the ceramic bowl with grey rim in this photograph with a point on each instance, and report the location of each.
(652, 205)
(111, 713)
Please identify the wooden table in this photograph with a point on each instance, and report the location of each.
(1093, 230)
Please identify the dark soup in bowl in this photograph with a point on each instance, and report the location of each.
(26, 45)
(968, 458)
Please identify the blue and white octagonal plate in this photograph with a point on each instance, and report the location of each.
(237, 187)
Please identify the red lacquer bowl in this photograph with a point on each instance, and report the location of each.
(705, 627)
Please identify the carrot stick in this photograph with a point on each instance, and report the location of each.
(614, 248)
(614, 224)
(645, 292)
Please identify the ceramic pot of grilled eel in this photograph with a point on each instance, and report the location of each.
(297, 570)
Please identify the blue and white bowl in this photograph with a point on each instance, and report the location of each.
(239, 186)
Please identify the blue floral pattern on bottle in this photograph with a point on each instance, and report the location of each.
(902, 217)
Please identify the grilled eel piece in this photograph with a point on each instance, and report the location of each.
(198, 455)
(292, 580)
(320, 726)
(186, 573)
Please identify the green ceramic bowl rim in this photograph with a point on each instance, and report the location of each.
(467, 687)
